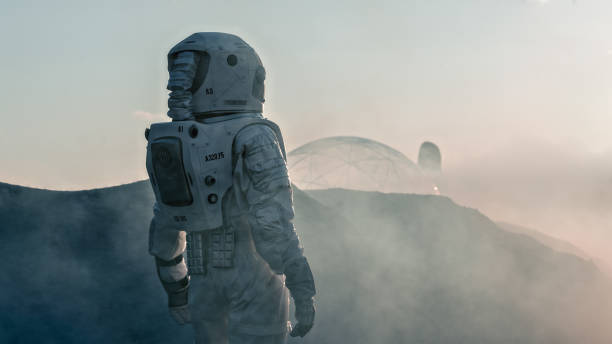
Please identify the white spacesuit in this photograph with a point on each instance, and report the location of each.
(223, 194)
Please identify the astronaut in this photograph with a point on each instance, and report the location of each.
(224, 198)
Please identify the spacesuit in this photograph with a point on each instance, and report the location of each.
(224, 198)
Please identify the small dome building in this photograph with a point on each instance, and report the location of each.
(430, 159)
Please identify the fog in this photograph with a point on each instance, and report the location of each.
(516, 93)
(389, 268)
(562, 190)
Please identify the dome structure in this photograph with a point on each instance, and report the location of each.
(430, 159)
(350, 162)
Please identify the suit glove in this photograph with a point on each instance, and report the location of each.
(304, 314)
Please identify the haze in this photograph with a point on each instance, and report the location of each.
(517, 93)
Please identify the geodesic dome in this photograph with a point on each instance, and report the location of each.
(352, 163)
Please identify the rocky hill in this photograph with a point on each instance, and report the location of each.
(390, 268)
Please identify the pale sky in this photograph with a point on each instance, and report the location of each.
(82, 80)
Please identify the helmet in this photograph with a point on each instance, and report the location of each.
(214, 73)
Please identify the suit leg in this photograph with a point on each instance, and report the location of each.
(241, 338)
(210, 332)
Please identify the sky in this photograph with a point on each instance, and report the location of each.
(82, 80)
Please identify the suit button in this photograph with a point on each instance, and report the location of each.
(209, 180)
